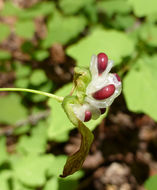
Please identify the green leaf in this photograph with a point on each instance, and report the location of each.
(144, 8)
(69, 7)
(140, 87)
(52, 184)
(58, 128)
(123, 21)
(22, 82)
(151, 183)
(4, 55)
(4, 31)
(35, 143)
(25, 28)
(17, 185)
(114, 6)
(22, 70)
(13, 110)
(10, 9)
(58, 162)
(40, 55)
(38, 77)
(70, 182)
(3, 151)
(40, 9)
(5, 177)
(62, 29)
(115, 44)
(148, 34)
(32, 169)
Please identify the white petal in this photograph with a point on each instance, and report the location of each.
(99, 81)
(95, 112)
(93, 67)
(79, 111)
(108, 68)
(110, 79)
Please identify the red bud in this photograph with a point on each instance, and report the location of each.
(88, 115)
(102, 62)
(105, 92)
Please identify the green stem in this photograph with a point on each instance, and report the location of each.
(58, 98)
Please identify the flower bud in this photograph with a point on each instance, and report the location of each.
(104, 93)
(88, 116)
(102, 62)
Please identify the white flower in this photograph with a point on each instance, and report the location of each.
(102, 85)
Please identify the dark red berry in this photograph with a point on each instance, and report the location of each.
(102, 62)
(117, 76)
(105, 92)
(103, 110)
(88, 115)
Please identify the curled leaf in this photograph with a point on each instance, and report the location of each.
(75, 161)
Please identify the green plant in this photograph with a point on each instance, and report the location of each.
(95, 90)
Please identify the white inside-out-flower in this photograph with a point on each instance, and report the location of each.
(100, 84)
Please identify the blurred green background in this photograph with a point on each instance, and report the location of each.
(40, 43)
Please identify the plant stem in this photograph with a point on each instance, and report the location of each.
(58, 98)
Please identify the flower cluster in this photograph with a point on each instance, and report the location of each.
(101, 91)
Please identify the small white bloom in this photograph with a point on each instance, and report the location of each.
(98, 82)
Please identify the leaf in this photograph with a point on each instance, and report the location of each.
(22, 82)
(10, 9)
(58, 162)
(144, 8)
(114, 6)
(25, 29)
(22, 70)
(148, 34)
(4, 55)
(66, 184)
(17, 185)
(140, 87)
(151, 183)
(40, 55)
(75, 161)
(35, 143)
(3, 151)
(123, 21)
(33, 169)
(62, 29)
(22, 75)
(4, 31)
(52, 184)
(69, 7)
(70, 182)
(38, 77)
(5, 176)
(13, 110)
(115, 44)
(58, 128)
(40, 9)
